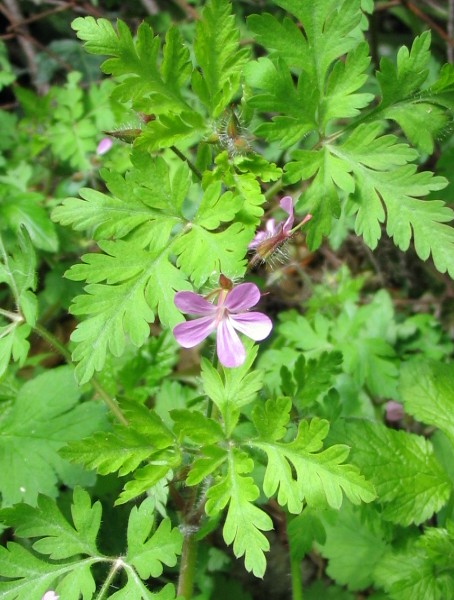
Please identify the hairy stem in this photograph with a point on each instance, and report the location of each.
(187, 567)
(116, 565)
(295, 570)
(53, 342)
(185, 159)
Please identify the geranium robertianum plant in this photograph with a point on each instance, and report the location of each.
(307, 127)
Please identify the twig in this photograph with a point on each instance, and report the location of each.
(450, 47)
(42, 15)
(385, 5)
(12, 12)
(421, 15)
(151, 6)
(188, 10)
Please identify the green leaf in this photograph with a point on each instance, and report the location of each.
(72, 135)
(396, 187)
(125, 447)
(279, 95)
(321, 94)
(411, 485)
(22, 208)
(30, 577)
(148, 553)
(321, 477)
(44, 417)
(303, 530)
(136, 61)
(237, 388)
(147, 195)
(201, 252)
(400, 82)
(270, 419)
(138, 283)
(63, 556)
(31, 574)
(328, 34)
(168, 130)
(353, 527)
(17, 271)
(427, 390)
(219, 57)
(421, 570)
(196, 426)
(341, 99)
(58, 539)
(244, 522)
(311, 379)
(210, 459)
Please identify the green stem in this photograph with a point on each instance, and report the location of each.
(295, 570)
(53, 342)
(297, 582)
(116, 565)
(274, 189)
(108, 400)
(190, 164)
(187, 567)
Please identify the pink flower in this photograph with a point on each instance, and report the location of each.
(51, 595)
(230, 313)
(266, 242)
(104, 146)
(394, 411)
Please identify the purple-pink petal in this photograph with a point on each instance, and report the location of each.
(194, 304)
(104, 146)
(242, 297)
(255, 325)
(191, 333)
(270, 226)
(287, 204)
(230, 350)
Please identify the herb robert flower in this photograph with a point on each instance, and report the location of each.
(229, 314)
(267, 242)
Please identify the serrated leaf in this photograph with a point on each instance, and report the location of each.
(139, 282)
(201, 252)
(397, 189)
(44, 417)
(362, 529)
(411, 485)
(427, 390)
(58, 538)
(168, 130)
(219, 56)
(279, 95)
(137, 60)
(22, 208)
(210, 459)
(197, 427)
(147, 551)
(31, 575)
(146, 195)
(270, 419)
(125, 447)
(327, 34)
(238, 387)
(321, 476)
(244, 522)
(401, 81)
(421, 570)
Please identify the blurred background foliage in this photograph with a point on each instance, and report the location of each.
(54, 110)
